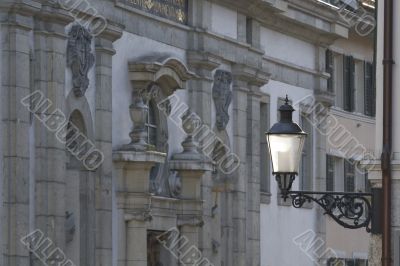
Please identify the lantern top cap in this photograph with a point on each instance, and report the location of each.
(287, 106)
(286, 124)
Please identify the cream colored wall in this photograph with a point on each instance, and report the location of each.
(360, 47)
(358, 127)
(345, 242)
(350, 126)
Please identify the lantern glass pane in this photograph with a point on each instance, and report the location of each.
(285, 152)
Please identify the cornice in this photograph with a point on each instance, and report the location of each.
(293, 17)
(353, 116)
(23, 7)
(254, 76)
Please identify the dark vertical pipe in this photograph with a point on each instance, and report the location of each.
(387, 131)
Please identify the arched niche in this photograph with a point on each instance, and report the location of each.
(80, 185)
(154, 78)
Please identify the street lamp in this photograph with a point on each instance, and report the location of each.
(285, 141)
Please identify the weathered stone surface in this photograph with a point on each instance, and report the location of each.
(79, 58)
(222, 96)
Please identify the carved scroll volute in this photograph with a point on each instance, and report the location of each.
(222, 96)
(79, 58)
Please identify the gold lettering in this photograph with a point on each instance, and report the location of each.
(172, 9)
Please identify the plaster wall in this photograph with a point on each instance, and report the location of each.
(357, 127)
(287, 48)
(356, 46)
(277, 246)
(224, 21)
(338, 237)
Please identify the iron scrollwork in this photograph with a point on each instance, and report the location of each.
(350, 210)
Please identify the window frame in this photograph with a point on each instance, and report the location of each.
(330, 161)
(369, 89)
(349, 83)
(307, 153)
(349, 165)
(265, 166)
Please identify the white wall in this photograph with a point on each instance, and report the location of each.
(277, 247)
(224, 21)
(287, 48)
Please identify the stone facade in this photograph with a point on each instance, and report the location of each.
(128, 136)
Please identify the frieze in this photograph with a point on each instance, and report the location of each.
(175, 10)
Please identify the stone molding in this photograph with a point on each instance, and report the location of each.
(193, 166)
(257, 77)
(325, 97)
(190, 220)
(353, 116)
(143, 215)
(151, 68)
(132, 156)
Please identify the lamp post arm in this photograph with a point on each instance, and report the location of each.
(350, 210)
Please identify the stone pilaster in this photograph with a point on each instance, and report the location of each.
(200, 14)
(191, 219)
(203, 65)
(320, 108)
(253, 182)
(246, 179)
(50, 152)
(200, 98)
(103, 125)
(239, 212)
(14, 131)
(132, 170)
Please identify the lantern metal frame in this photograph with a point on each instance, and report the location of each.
(351, 210)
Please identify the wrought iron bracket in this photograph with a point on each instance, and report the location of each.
(350, 210)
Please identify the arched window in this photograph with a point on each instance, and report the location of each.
(79, 206)
(75, 139)
(151, 124)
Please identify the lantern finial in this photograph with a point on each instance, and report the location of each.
(287, 99)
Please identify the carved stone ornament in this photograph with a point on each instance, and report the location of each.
(222, 96)
(139, 215)
(175, 184)
(79, 58)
